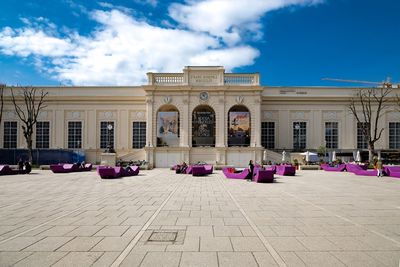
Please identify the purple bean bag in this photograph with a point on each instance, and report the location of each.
(354, 167)
(264, 176)
(235, 175)
(339, 168)
(271, 168)
(288, 170)
(209, 168)
(199, 170)
(392, 171)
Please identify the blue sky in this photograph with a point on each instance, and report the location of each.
(290, 42)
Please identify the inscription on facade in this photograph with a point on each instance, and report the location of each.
(203, 78)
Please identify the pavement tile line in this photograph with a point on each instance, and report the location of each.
(139, 235)
(344, 218)
(57, 218)
(266, 244)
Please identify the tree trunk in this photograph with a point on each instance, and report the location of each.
(29, 144)
(371, 148)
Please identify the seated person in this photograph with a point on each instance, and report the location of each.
(183, 167)
(27, 167)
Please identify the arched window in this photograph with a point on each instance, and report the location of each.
(239, 130)
(203, 126)
(168, 126)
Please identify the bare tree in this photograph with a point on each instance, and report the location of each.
(372, 102)
(2, 86)
(28, 111)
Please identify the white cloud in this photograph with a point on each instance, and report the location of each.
(122, 48)
(228, 18)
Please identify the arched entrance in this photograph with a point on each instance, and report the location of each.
(239, 127)
(168, 126)
(203, 126)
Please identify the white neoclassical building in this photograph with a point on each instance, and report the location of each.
(201, 114)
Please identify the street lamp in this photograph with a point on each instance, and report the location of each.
(297, 127)
(109, 149)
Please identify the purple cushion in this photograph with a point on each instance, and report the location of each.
(285, 170)
(264, 176)
(234, 175)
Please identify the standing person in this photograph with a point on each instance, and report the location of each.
(379, 168)
(27, 167)
(251, 171)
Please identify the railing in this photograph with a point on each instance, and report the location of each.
(179, 79)
(166, 78)
(241, 79)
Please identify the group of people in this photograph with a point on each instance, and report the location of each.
(24, 166)
(181, 168)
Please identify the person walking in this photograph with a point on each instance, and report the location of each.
(379, 168)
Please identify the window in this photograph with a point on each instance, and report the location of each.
(10, 134)
(203, 126)
(74, 134)
(331, 134)
(362, 141)
(106, 134)
(138, 134)
(394, 135)
(268, 135)
(42, 134)
(299, 135)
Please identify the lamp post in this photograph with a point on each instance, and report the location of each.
(109, 149)
(297, 127)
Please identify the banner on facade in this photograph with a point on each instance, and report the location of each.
(203, 123)
(167, 124)
(239, 127)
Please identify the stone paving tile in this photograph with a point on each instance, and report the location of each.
(80, 244)
(215, 244)
(134, 259)
(112, 230)
(199, 259)
(112, 244)
(388, 258)
(356, 259)
(188, 221)
(238, 259)
(42, 259)
(106, 259)
(19, 243)
(161, 259)
(57, 231)
(247, 244)
(85, 230)
(264, 259)
(286, 244)
(314, 243)
(79, 259)
(48, 244)
(191, 243)
(203, 231)
(227, 231)
(318, 259)
(10, 258)
(287, 230)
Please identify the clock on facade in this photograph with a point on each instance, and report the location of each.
(204, 96)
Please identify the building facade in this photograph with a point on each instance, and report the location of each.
(201, 114)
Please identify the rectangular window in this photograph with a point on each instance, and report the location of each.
(10, 134)
(107, 134)
(394, 135)
(331, 134)
(268, 134)
(42, 134)
(362, 140)
(138, 134)
(74, 134)
(299, 135)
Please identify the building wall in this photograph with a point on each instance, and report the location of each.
(123, 105)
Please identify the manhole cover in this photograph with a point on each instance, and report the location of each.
(163, 236)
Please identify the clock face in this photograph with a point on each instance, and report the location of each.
(203, 95)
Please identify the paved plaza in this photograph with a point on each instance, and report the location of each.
(163, 219)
